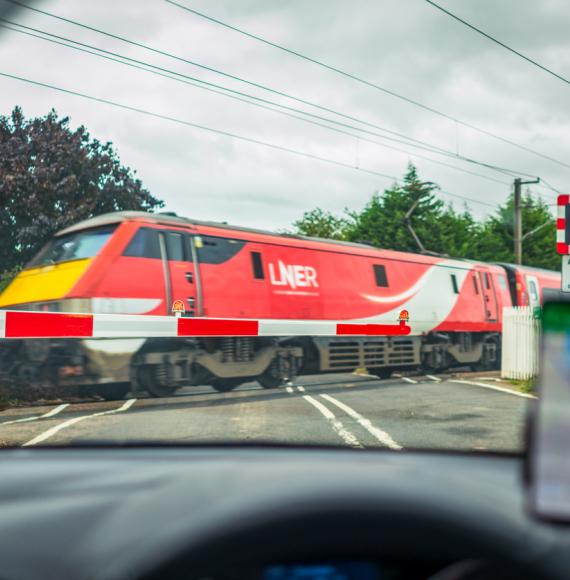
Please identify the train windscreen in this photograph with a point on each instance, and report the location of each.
(73, 246)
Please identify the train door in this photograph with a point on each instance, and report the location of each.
(533, 294)
(183, 273)
(488, 291)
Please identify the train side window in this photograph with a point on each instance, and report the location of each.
(533, 290)
(475, 285)
(454, 283)
(144, 244)
(216, 250)
(175, 247)
(380, 275)
(487, 281)
(257, 266)
(502, 282)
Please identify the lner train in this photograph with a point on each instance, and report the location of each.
(140, 263)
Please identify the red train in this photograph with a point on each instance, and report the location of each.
(133, 262)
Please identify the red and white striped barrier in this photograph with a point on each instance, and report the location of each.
(19, 324)
(562, 244)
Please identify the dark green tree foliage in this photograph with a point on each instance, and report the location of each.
(440, 228)
(51, 177)
(495, 241)
(323, 224)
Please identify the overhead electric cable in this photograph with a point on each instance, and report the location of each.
(367, 83)
(190, 124)
(420, 144)
(222, 73)
(496, 41)
(134, 63)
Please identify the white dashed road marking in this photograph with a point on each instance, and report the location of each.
(435, 379)
(494, 388)
(289, 389)
(51, 413)
(337, 426)
(381, 435)
(50, 432)
(408, 380)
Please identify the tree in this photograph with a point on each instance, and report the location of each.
(323, 224)
(439, 227)
(494, 242)
(52, 177)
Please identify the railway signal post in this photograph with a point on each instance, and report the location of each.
(563, 238)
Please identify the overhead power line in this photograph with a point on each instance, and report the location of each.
(368, 83)
(221, 132)
(496, 41)
(410, 141)
(185, 79)
(251, 83)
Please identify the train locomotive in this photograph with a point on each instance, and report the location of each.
(141, 263)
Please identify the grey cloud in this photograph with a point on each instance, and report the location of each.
(403, 44)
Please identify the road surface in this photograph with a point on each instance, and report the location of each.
(345, 409)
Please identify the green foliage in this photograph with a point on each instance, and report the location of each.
(525, 386)
(52, 177)
(7, 276)
(323, 224)
(439, 226)
(495, 242)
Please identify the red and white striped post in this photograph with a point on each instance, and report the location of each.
(563, 238)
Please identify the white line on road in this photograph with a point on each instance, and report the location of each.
(289, 389)
(436, 379)
(50, 432)
(348, 437)
(337, 426)
(494, 388)
(51, 413)
(408, 380)
(487, 379)
(381, 435)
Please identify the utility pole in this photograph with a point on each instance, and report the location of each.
(518, 237)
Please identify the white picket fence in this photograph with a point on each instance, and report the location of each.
(520, 343)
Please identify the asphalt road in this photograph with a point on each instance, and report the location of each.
(347, 410)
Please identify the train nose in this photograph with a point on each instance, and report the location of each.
(45, 283)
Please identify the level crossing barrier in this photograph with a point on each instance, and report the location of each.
(24, 324)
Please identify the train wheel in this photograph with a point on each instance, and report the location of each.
(381, 373)
(491, 357)
(151, 378)
(226, 385)
(268, 381)
(113, 391)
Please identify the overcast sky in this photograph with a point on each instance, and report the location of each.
(406, 46)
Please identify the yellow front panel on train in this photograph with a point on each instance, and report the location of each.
(50, 282)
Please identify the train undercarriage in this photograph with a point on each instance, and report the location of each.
(111, 368)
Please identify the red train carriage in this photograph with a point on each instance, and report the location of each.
(133, 262)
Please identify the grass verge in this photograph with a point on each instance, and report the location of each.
(525, 386)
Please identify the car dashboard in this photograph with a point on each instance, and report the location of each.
(270, 513)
